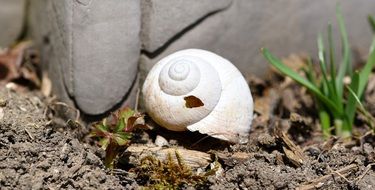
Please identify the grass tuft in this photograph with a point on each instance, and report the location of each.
(337, 101)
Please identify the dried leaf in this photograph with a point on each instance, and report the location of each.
(19, 62)
(193, 102)
(292, 151)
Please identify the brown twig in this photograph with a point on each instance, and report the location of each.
(343, 172)
(359, 178)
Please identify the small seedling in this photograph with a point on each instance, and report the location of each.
(336, 100)
(117, 134)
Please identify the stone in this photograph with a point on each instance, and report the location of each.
(94, 47)
(239, 31)
(11, 20)
(164, 19)
(91, 48)
(161, 141)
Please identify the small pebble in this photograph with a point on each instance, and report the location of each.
(1, 113)
(3, 102)
(161, 141)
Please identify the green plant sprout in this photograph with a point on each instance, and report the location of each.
(336, 100)
(118, 133)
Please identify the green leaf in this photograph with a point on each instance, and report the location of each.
(345, 67)
(355, 96)
(331, 52)
(321, 55)
(331, 46)
(124, 135)
(309, 72)
(104, 142)
(372, 23)
(328, 87)
(295, 76)
(126, 113)
(325, 121)
(102, 127)
(351, 102)
(120, 124)
(365, 72)
(122, 138)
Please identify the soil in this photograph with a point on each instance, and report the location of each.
(34, 154)
(285, 149)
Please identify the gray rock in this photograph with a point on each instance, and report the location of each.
(91, 48)
(93, 44)
(238, 32)
(11, 20)
(164, 19)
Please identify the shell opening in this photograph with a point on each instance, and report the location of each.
(193, 102)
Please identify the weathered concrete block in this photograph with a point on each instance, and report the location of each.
(164, 19)
(94, 45)
(238, 32)
(11, 20)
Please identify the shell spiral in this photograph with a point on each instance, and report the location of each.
(212, 81)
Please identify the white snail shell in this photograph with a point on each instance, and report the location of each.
(227, 109)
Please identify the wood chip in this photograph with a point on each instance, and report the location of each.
(194, 159)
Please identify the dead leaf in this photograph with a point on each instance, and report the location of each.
(327, 146)
(292, 151)
(19, 64)
(193, 102)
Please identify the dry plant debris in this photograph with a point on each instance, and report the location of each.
(171, 173)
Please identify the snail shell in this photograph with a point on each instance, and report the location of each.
(198, 90)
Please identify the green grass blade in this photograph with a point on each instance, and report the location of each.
(371, 22)
(321, 55)
(351, 102)
(295, 76)
(329, 87)
(356, 98)
(331, 52)
(365, 72)
(345, 67)
(309, 72)
(333, 66)
(325, 123)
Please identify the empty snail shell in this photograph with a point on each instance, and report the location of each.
(198, 90)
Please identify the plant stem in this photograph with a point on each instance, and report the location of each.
(325, 122)
(110, 155)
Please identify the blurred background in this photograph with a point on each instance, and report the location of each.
(110, 45)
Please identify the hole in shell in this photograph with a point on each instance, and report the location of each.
(193, 102)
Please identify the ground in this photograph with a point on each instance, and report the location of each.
(39, 150)
(45, 145)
